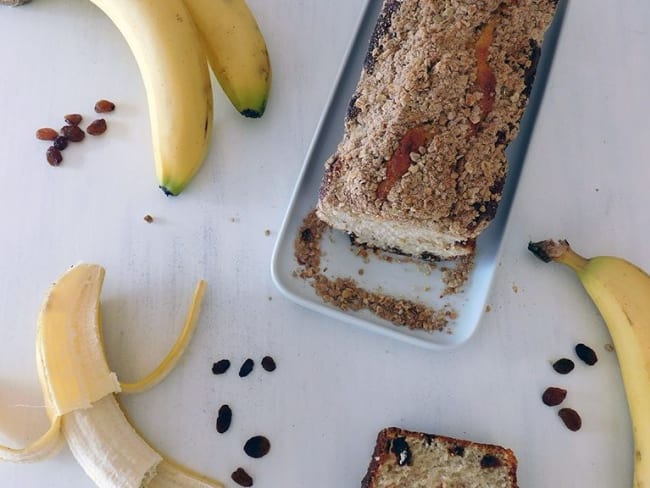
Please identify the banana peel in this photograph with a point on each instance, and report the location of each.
(80, 391)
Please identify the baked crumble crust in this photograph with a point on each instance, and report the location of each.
(421, 71)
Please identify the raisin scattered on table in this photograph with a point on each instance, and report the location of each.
(224, 418)
(73, 119)
(571, 418)
(46, 134)
(241, 477)
(53, 156)
(103, 106)
(586, 354)
(563, 366)
(73, 133)
(221, 366)
(257, 446)
(246, 368)
(268, 363)
(96, 127)
(61, 142)
(553, 396)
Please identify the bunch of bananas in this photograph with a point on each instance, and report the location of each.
(173, 41)
(621, 292)
(79, 390)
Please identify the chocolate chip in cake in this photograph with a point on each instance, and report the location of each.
(553, 396)
(241, 477)
(268, 363)
(402, 451)
(571, 418)
(563, 366)
(490, 461)
(221, 366)
(587, 354)
(257, 446)
(224, 418)
(246, 368)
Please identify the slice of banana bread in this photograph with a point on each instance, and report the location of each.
(421, 166)
(405, 459)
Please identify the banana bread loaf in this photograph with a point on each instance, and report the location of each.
(421, 166)
(415, 460)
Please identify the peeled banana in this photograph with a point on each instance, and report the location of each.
(621, 292)
(236, 50)
(79, 390)
(173, 65)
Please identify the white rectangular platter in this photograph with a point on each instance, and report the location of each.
(397, 278)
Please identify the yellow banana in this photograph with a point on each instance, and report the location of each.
(236, 50)
(173, 65)
(621, 292)
(79, 388)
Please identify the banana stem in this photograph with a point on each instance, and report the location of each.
(560, 252)
(177, 350)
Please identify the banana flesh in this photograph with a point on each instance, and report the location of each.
(236, 50)
(173, 66)
(79, 390)
(621, 292)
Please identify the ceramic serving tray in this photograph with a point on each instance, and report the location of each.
(398, 278)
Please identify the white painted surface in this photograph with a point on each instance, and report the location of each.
(585, 179)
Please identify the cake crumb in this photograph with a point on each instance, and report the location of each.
(609, 347)
(361, 271)
(148, 218)
(515, 289)
(267, 232)
(488, 308)
(346, 294)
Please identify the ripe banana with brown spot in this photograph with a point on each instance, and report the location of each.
(236, 50)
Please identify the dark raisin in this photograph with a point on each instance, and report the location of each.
(221, 366)
(570, 418)
(246, 368)
(257, 446)
(54, 156)
(490, 461)
(241, 477)
(73, 133)
(224, 418)
(587, 354)
(563, 366)
(268, 363)
(307, 235)
(457, 450)
(402, 451)
(103, 106)
(553, 396)
(96, 127)
(61, 142)
(73, 119)
(46, 134)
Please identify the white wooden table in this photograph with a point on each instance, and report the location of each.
(586, 178)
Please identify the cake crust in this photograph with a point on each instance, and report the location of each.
(441, 94)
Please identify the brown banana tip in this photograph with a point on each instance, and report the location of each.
(548, 250)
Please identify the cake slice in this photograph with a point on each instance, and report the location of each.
(421, 166)
(404, 459)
